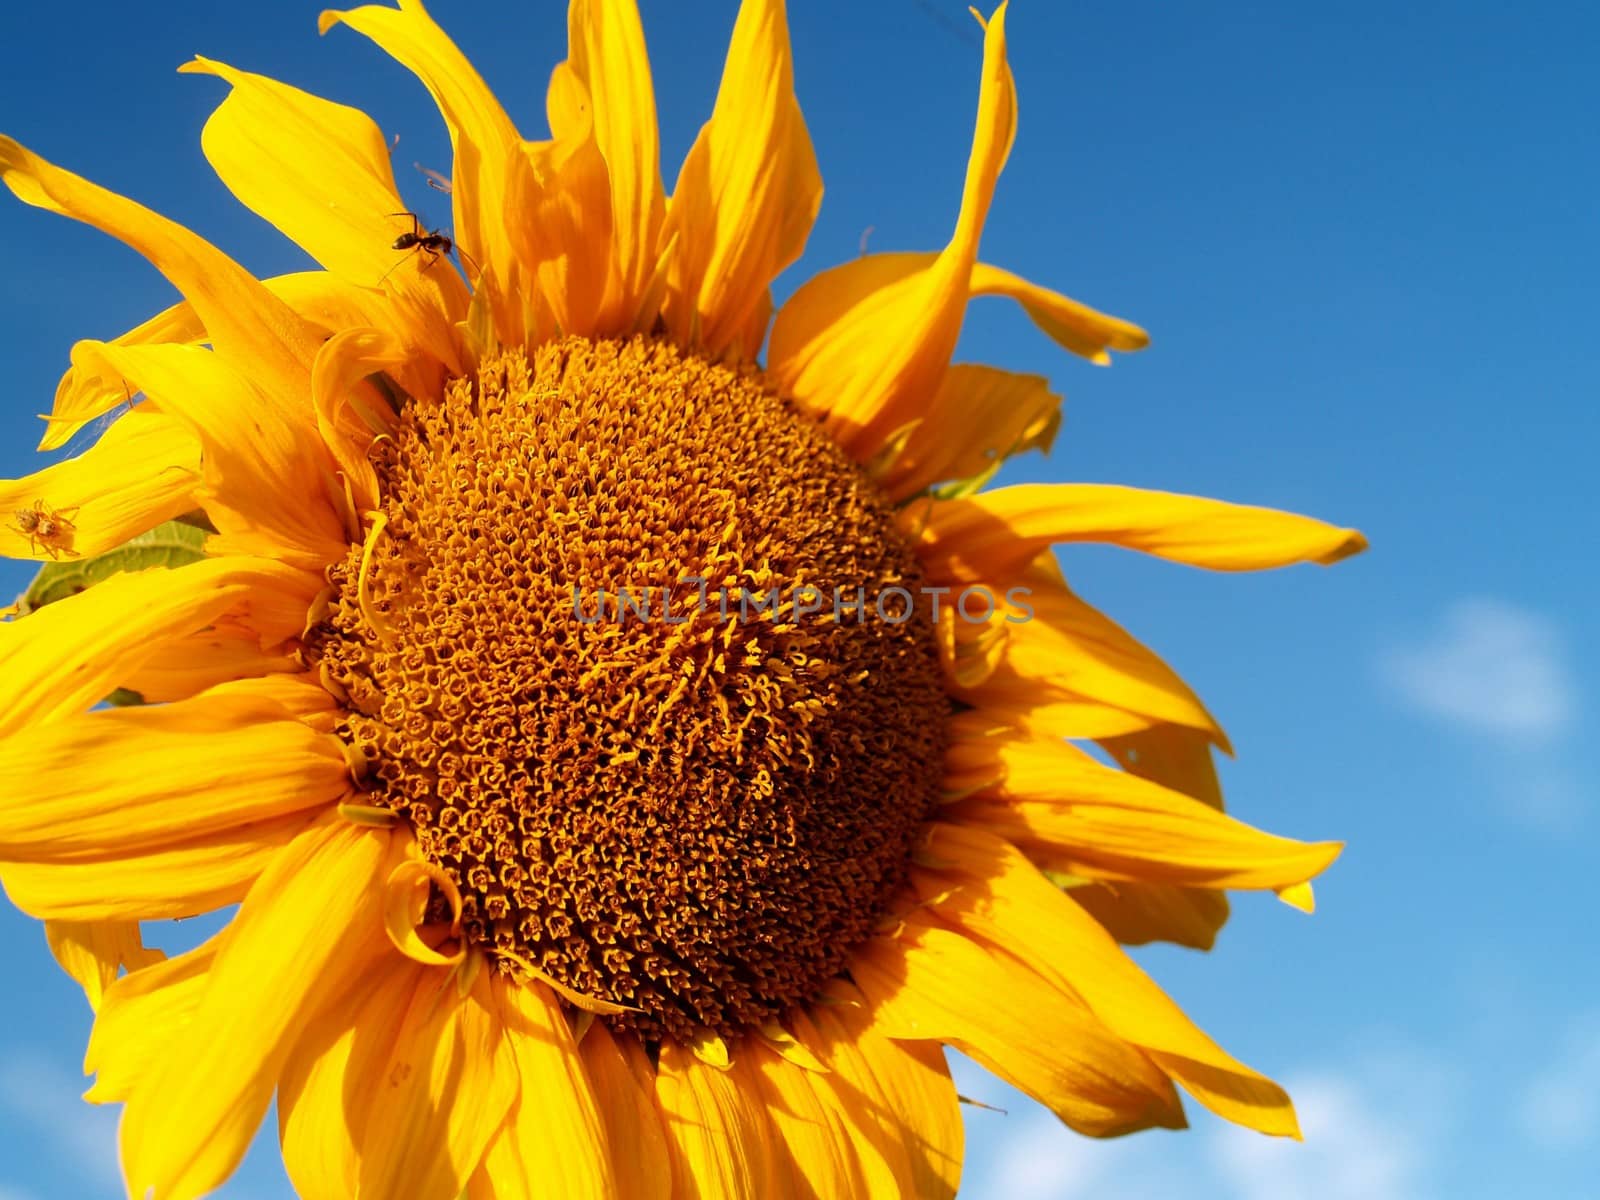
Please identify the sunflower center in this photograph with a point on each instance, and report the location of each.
(617, 656)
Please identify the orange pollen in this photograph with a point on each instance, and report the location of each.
(694, 807)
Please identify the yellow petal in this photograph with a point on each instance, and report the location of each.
(1069, 651)
(269, 483)
(244, 321)
(979, 417)
(141, 779)
(555, 1142)
(403, 1078)
(1028, 701)
(788, 1047)
(1073, 326)
(931, 983)
(563, 232)
(321, 173)
(1174, 756)
(144, 470)
(897, 1099)
(718, 1135)
(994, 534)
(326, 302)
(488, 149)
(308, 928)
(865, 346)
(1079, 816)
(440, 1097)
(93, 952)
(992, 891)
(1299, 895)
(182, 880)
(607, 55)
(144, 1014)
(332, 1077)
(624, 1088)
(183, 667)
(1137, 914)
(748, 192)
(81, 396)
(812, 1145)
(839, 290)
(297, 695)
(66, 656)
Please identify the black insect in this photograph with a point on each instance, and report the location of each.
(432, 243)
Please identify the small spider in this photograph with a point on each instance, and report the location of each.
(48, 529)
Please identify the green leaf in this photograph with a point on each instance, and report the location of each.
(168, 545)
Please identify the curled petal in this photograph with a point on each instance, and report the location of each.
(245, 321)
(269, 482)
(864, 345)
(320, 172)
(144, 470)
(406, 894)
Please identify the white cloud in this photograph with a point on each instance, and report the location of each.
(1353, 1150)
(1560, 1108)
(1037, 1159)
(1022, 1152)
(1373, 1128)
(1491, 667)
(80, 1137)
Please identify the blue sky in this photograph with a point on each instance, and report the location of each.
(1365, 239)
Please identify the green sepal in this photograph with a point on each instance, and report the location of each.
(959, 488)
(1063, 880)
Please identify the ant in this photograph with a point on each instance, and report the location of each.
(48, 529)
(432, 243)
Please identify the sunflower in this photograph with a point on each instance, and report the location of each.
(596, 826)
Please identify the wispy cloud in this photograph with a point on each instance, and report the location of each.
(1491, 667)
(80, 1138)
(1373, 1129)
(1353, 1149)
(1560, 1108)
(1024, 1153)
(1501, 673)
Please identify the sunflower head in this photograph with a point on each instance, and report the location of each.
(682, 796)
(635, 737)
